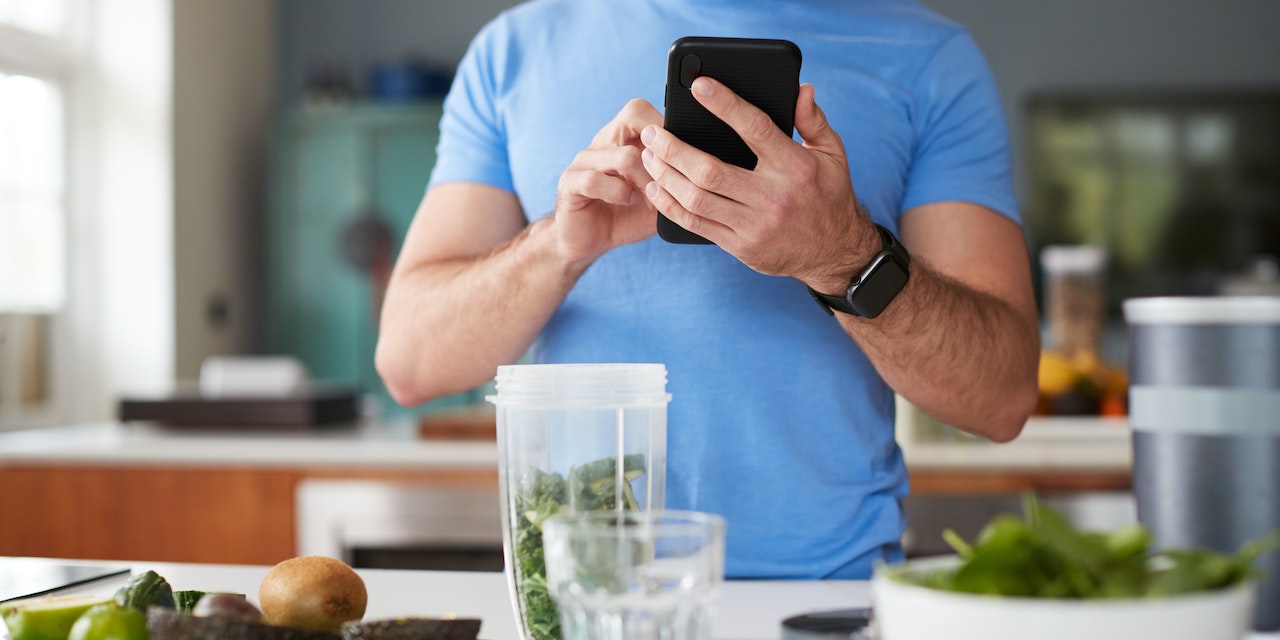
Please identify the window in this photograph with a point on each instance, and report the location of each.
(32, 200)
(44, 17)
(35, 53)
(1181, 190)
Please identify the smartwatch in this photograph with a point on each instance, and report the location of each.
(876, 285)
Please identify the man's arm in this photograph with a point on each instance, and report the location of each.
(470, 289)
(473, 285)
(960, 341)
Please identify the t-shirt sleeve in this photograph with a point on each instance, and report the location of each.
(962, 144)
(473, 145)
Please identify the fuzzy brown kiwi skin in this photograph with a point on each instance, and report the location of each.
(312, 592)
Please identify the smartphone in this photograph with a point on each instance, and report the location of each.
(764, 72)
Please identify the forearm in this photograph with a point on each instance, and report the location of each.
(447, 325)
(964, 357)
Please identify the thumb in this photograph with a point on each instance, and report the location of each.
(811, 122)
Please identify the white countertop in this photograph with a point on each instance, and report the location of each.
(1060, 444)
(747, 611)
(366, 445)
(751, 610)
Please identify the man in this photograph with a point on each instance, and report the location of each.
(536, 237)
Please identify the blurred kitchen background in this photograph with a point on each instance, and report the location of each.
(183, 180)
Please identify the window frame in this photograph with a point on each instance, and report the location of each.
(52, 59)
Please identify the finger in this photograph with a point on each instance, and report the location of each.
(696, 200)
(811, 121)
(625, 127)
(755, 127)
(587, 184)
(673, 210)
(702, 169)
(622, 162)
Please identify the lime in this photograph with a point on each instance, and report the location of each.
(46, 618)
(110, 621)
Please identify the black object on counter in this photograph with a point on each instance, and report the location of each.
(844, 624)
(300, 410)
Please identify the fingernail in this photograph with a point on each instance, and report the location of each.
(703, 87)
(646, 156)
(648, 134)
(651, 189)
(631, 197)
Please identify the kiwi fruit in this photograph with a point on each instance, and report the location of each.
(312, 592)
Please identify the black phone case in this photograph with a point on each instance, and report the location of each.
(764, 72)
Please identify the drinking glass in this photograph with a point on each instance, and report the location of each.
(635, 576)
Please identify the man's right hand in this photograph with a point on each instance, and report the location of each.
(600, 201)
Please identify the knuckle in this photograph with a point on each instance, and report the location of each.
(629, 155)
(634, 106)
(759, 125)
(707, 174)
(696, 201)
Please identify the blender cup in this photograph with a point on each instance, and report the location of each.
(572, 438)
(1205, 412)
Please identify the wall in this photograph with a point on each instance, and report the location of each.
(359, 33)
(120, 234)
(1131, 45)
(223, 96)
(1032, 46)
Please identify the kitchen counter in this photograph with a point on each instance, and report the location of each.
(112, 479)
(1048, 445)
(747, 611)
(393, 444)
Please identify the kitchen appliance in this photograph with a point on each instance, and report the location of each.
(1205, 412)
(385, 524)
(572, 438)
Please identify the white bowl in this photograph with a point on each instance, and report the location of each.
(909, 612)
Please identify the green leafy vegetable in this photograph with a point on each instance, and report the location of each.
(1043, 556)
(590, 487)
(145, 590)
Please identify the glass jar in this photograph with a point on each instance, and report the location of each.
(1074, 301)
(572, 438)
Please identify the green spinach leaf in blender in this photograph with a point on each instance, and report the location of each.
(589, 487)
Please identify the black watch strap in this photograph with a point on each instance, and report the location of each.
(875, 285)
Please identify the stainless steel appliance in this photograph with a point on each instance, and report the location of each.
(1205, 411)
(400, 525)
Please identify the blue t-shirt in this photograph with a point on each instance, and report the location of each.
(777, 421)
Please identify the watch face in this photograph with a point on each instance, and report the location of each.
(883, 279)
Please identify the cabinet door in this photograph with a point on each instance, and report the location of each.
(318, 304)
(332, 170)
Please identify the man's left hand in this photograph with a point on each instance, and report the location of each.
(794, 215)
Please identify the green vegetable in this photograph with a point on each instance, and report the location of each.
(110, 621)
(589, 487)
(1043, 556)
(146, 590)
(185, 601)
(46, 617)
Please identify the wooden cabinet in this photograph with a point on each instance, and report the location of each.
(172, 514)
(345, 184)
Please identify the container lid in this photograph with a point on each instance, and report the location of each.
(845, 624)
(1203, 310)
(578, 385)
(1075, 258)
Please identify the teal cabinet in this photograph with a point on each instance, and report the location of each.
(344, 187)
